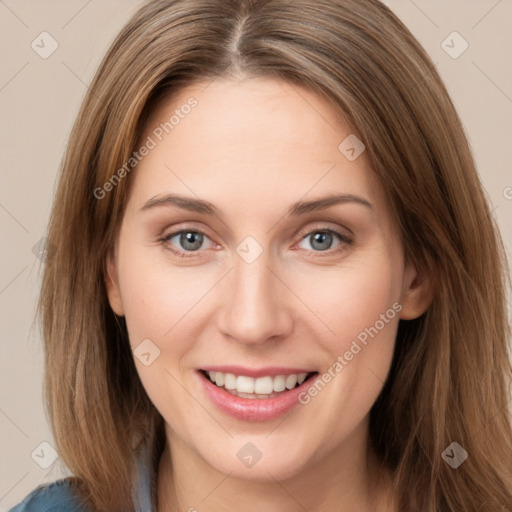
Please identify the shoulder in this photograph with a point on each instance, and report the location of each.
(54, 497)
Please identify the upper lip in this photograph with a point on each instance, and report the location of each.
(255, 372)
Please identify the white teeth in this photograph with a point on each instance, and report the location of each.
(219, 379)
(244, 384)
(229, 381)
(264, 387)
(279, 383)
(291, 380)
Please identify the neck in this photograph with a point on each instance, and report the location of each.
(349, 479)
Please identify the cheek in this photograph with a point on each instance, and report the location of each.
(359, 303)
(149, 308)
(352, 297)
(156, 297)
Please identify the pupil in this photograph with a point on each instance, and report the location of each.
(191, 240)
(321, 238)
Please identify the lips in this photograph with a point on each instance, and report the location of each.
(255, 395)
(261, 387)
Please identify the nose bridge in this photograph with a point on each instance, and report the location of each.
(254, 309)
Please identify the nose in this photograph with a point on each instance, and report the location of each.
(256, 303)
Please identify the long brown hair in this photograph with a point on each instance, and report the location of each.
(450, 374)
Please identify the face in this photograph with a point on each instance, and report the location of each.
(253, 248)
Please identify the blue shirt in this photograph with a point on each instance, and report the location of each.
(59, 497)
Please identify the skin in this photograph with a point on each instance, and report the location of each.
(253, 147)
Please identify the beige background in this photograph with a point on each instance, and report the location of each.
(39, 99)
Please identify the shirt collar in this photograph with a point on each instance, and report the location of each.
(144, 488)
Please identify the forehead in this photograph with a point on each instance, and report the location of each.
(244, 140)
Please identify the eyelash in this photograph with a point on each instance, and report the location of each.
(344, 239)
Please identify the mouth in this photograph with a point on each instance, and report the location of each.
(260, 388)
(261, 397)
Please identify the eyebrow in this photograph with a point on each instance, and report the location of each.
(298, 208)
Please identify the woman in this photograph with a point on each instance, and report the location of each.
(278, 284)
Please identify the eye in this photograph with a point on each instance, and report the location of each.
(189, 242)
(321, 240)
(186, 241)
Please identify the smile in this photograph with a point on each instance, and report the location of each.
(264, 396)
(262, 387)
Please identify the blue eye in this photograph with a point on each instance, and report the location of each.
(185, 241)
(188, 242)
(322, 240)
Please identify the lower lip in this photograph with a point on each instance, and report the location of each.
(257, 409)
